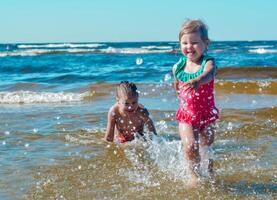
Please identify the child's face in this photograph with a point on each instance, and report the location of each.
(192, 46)
(128, 103)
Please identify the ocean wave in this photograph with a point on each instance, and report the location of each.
(27, 97)
(109, 50)
(247, 73)
(157, 47)
(247, 87)
(134, 50)
(260, 46)
(262, 51)
(37, 52)
(69, 45)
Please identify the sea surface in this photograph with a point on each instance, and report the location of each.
(54, 99)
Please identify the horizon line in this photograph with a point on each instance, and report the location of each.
(176, 41)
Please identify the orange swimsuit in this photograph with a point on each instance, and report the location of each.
(122, 138)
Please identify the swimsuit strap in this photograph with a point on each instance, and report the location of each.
(183, 76)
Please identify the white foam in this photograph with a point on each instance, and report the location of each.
(133, 50)
(262, 51)
(36, 52)
(109, 50)
(28, 97)
(157, 47)
(70, 45)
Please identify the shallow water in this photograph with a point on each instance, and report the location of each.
(53, 115)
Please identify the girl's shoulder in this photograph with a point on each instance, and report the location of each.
(180, 64)
(180, 74)
(207, 60)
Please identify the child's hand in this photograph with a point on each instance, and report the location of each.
(192, 85)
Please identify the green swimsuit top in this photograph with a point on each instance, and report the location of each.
(183, 76)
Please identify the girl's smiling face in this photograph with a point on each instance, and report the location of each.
(193, 46)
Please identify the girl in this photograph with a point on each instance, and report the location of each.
(194, 84)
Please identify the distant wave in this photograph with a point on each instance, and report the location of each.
(260, 46)
(109, 50)
(157, 47)
(37, 52)
(27, 97)
(134, 50)
(69, 45)
(262, 50)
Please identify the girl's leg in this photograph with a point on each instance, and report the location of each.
(190, 138)
(206, 140)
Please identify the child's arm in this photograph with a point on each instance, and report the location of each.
(207, 75)
(150, 125)
(148, 122)
(175, 84)
(110, 126)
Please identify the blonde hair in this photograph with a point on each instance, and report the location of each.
(126, 88)
(194, 26)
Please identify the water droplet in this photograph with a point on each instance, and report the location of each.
(167, 77)
(230, 126)
(214, 111)
(139, 61)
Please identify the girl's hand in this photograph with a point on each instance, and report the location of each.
(192, 85)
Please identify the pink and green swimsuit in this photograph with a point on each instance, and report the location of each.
(197, 107)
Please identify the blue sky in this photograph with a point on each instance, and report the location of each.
(128, 20)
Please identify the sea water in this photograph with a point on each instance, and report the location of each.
(54, 99)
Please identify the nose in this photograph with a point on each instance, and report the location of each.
(189, 46)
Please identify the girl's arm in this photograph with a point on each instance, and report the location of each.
(110, 126)
(175, 84)
(207, 75)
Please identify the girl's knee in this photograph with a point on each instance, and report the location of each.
(192, 149)
(207, 136)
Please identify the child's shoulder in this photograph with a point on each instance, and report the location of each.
(114, 110)
(143, 111)
(210, 63)
(208, 59)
